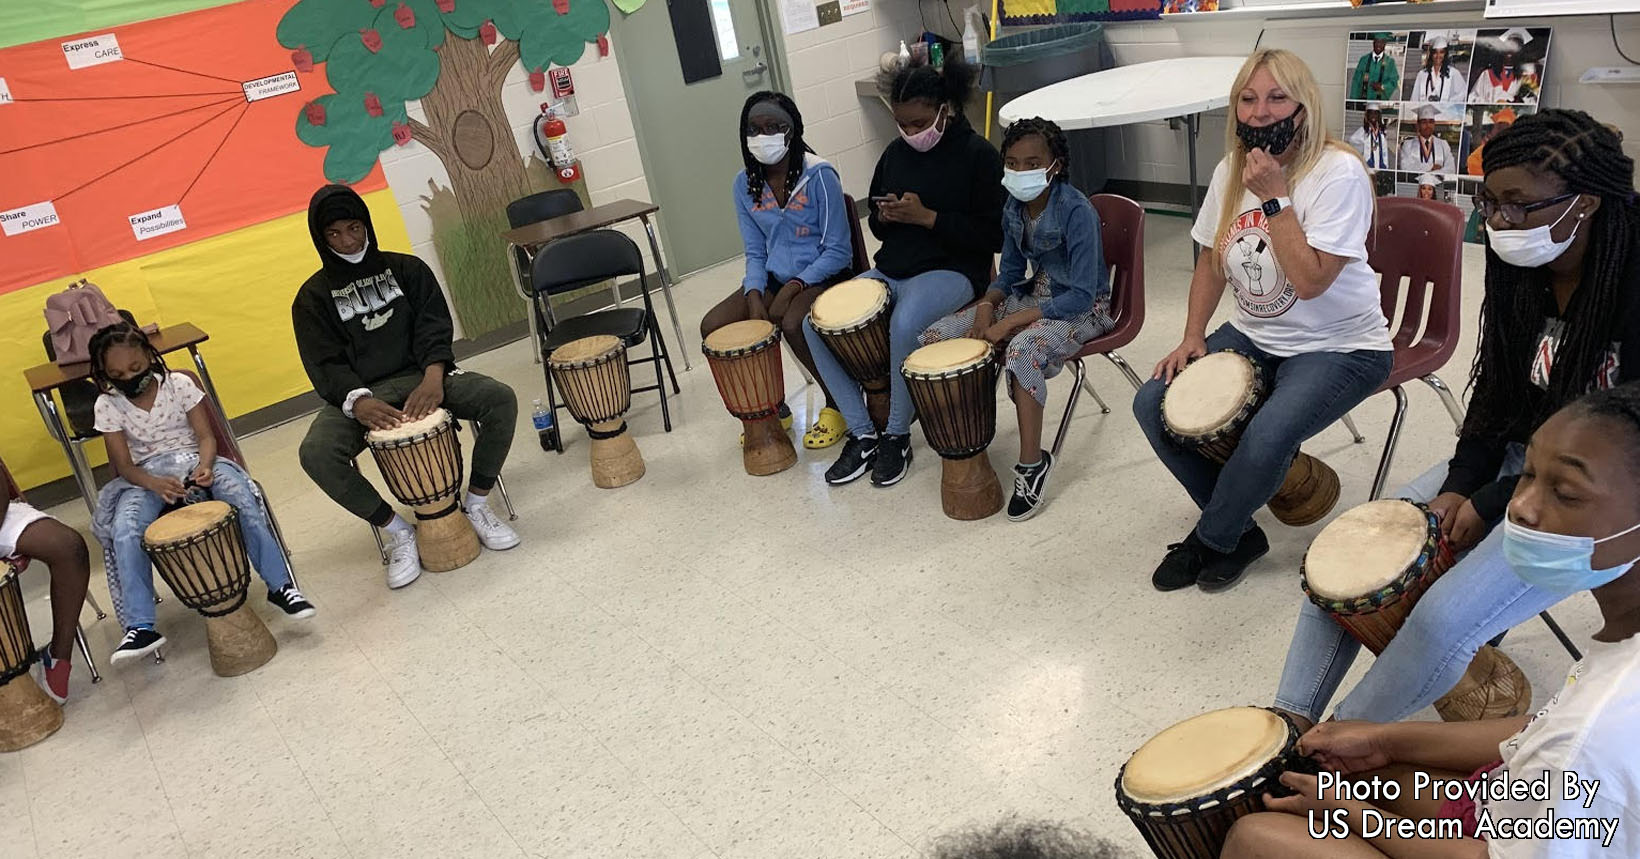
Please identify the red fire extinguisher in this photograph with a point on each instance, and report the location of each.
(552, 138)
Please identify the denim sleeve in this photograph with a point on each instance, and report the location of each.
(751, 235)
(1011, 269)
(1087, 263)
(836, 241)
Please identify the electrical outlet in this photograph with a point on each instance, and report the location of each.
(1611, 75)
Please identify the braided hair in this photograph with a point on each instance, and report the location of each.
(951, 85)
(121, 334)
(1588, 159)
(1621, 405)
(1051, 135)
(794, 156)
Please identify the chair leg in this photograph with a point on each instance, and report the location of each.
(1070, 404)
(552, 405)
(381, 547)
(1565, 641)
(658, 348)
(501, 487)
(1390, 442)
(1453, 408)
(1349, 424)
(91, 600)
(665, 351)
(1122, 364)
(85, 651)
(1087, 384)
(278, 534)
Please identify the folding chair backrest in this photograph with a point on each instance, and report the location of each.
(857, 238)
(13, 491)
(542, 206)
(1416, 247)
(1122, 228)
(226, 447)
(584, 259)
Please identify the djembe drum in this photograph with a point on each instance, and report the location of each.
(1186, 786)
(953, 384)
(199, 551)
(852, 318)
(1208, 406)
(596, 382)
(745, 362)
(1369, 567)
(27, 714)
(421, 463)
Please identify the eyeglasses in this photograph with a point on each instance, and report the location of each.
(772, 128)
(1514, 214)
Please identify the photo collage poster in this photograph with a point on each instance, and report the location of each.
(1421, 104)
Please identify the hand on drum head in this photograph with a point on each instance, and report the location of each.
(1445, 507)
(985, 313)
(376, 415)
(168, 488)
(1192, 347)
(426, 397)
(1303, 801)
(1468, 528)
(1347, 747)
(755, 308)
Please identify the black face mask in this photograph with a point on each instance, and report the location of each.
(1273, 138)
(134, 386)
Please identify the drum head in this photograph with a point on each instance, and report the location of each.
(737, 336)
(190, 521)
(848, 303)
(1208, 393)
(1201, 755)
(408, 429)
(585, 350)
(1365, 549)
(947, 356)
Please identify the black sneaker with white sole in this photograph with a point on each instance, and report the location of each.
(893, 460)
(1223, 571)
(292, 603)
(858, 456)
(138, 642)
(1029, 483)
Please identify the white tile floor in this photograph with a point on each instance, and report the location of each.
(702, 663)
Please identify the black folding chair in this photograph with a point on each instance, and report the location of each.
(578, 261)
(523, 211)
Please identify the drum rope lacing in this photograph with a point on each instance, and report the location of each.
(203, 581)
(15, 641)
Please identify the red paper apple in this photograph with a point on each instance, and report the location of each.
(372, 40)
(315, 113)
(603, 45)
(372, 104)
(538, 80)
(378, 3)
(406, 16)
(446, 6)
(302, 58)
(487, 33)
(401, 133)
(561, 6)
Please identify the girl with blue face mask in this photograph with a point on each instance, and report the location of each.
(1045, 316)
(1560, 316)
(1573, 525)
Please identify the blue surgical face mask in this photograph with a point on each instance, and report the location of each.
(1026, 185)
(1558, 563)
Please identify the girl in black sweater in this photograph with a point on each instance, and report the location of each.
(936, 205)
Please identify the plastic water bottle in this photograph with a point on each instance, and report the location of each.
(542, 418)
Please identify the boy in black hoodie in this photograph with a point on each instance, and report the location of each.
(374, 334)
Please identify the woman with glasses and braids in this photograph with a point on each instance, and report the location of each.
(1561, 317)
(795, 225)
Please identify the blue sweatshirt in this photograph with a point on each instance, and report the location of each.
(808, 240)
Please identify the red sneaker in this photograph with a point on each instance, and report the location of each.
(54, 675)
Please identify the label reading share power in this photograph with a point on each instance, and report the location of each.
(36, 217)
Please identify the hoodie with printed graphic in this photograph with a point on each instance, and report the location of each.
(359, 323)
(807, 240)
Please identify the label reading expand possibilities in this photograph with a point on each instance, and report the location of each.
(94, 51)
(271, 86)
(165, 219)
(29, 218)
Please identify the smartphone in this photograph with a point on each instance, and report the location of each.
(889, 198)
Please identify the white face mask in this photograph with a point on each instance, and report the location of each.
(1026, 185)
(354, 258)
(767, 148)
(1531, 248)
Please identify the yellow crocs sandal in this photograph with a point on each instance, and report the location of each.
(828, 430)
(785, 422)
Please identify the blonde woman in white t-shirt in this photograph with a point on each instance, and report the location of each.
(1285, 226)
(159, 441)
(1573, 525)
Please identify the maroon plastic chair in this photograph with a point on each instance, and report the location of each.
(1122, 229)
(21, 563)
(1417, 249)
(857, 237)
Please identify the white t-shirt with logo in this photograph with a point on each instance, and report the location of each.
(162, 429)
(1334, 205)
(1590, 727)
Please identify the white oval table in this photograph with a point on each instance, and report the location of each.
(1181, 87)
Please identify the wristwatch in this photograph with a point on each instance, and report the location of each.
(1273, 207)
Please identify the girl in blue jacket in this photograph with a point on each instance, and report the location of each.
(1046, 317)
(795, 225)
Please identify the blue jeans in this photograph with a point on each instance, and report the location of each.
(138, 508)
(1465, 608)
(1308, 392)
(918, 301)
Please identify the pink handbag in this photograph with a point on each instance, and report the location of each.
(75, 314)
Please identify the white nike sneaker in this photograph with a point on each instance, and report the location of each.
(495, 534)
(403, 559)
